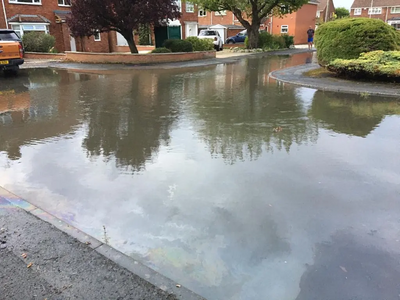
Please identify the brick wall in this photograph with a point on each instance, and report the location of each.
(306, 17)
(188, 17)
(137, 58)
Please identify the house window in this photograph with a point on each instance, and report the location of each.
(375, 10)
(64, 2)
(26, 1)
(357, 11)
(179, 4)
(21, 28)
(202, 13)
(220, 13)
(396, 26)
(395, 10)
(189, 7)
(285, 29)
(97, 36)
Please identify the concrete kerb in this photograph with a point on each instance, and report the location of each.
(294, 75)
(8, 199)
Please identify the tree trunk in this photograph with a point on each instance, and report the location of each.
(128, 35)
(253, 33)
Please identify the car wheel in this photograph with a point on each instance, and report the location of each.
(231, 42)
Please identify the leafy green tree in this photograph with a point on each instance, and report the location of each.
(251, 13)
(342, 12)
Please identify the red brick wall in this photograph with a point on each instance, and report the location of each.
(289, 19)
(306, 17)
(137, 58)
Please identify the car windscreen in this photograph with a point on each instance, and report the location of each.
(8, 36)
(206, 33)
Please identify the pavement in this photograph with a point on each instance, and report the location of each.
(40, 261)
(295, 75)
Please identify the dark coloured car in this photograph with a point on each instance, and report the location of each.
(239, 38)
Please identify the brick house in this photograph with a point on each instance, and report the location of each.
(325, 11)
(49, 16)
(385, 10)
(296, 23)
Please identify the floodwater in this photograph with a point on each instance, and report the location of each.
(224, 180)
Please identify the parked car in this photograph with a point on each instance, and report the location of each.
(11, 51)
(239, 38)
(214, 35)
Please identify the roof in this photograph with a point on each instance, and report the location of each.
(322, 4)
(28, 19)
(314, 1)
(61, 15)
(375, 3)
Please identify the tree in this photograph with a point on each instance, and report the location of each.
(342, 12)
(251, 13)
(90, 16)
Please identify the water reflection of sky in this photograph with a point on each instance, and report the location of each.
(187, 175)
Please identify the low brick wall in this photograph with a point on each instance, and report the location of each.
(119, 58)
(38, 55)
(139, 47)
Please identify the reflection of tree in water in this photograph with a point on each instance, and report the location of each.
(237, 120)
(129, 118)
(351, 114)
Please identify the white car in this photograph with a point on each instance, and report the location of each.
(214, 35)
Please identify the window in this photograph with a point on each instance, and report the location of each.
(357, 11)
(64, 2)
(21, 28)
(8, 36)
(396, 26)
(375, 10)
(285, 29)
(97, 36)
(189, 7)
(26, 1)
(220, 13)
(395, 10)
(202, 13)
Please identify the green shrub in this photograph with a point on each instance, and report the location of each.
(382, 65)
(289, 40)
(38, 42)
(200, 44)
(161, 50)
(268, 41)
(348, 38)
(178, 45)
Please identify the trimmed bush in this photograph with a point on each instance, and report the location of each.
(178, 45)
(38, 42)
(200, 44)
(348, 38)
(382, 65)
(268, 41)
(289, 40)
(161, 50)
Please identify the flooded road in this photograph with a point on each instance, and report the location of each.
(222, 179)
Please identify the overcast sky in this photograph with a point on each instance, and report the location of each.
(343, 3)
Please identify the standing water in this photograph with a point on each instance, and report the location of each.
(226, 181)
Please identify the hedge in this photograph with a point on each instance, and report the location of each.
(348, 38)
(200, 44)
(161, 50)
(38, 42)
(381, 65)
(178, 45)
(272, 42)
